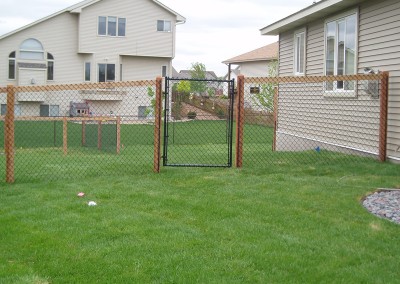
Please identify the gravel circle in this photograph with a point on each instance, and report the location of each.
(384, 204)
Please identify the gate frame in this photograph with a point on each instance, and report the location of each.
(231, 106)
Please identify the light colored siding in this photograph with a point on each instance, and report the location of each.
(315, 48)
(142, 38)
(379, 48)
(58, 36)
(142, 68)
(286, 54)
(254, 69)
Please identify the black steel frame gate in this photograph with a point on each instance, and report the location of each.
(198, 122)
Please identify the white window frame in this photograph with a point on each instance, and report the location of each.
(164, 68)
(52, 60)
(164, 26)
(342, 92)
(14, 60)
(17, 109)
(297, 52)
(106, 64)
(85, 69)
(107, 31)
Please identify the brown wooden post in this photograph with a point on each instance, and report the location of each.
(275, 117)
(118, 134)
(239, 121)
(383, 116)
(99, 135)
(10, 135)
(65, 135)
(83, 133)
(157, 125)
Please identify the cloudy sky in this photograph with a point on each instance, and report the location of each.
(215, 30)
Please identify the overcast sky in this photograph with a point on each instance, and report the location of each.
(215, 30)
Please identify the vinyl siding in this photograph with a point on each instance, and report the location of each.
(378, 48)
(58, 36)
(142, 38)
(254, 69)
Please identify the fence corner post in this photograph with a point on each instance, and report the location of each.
(9, 134)
(239, 121)
(384, 92)
(157, 125)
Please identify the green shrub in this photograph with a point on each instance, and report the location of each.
(191, 114)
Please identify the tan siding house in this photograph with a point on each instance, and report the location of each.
(255, 63)
(92, 41)
(370, 32)
(96, 32)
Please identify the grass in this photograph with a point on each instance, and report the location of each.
(297, 224)
(291, 217)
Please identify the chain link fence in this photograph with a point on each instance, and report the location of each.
(77, 131)
(313, 119)
(74, 131)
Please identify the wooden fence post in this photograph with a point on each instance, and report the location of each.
(239, 121)
(10, 135)
(157, 125)
(383, 116)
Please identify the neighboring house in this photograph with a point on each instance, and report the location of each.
(255, 63)
(341, 37)
(92, 41)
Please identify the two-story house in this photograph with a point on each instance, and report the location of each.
(92, 41)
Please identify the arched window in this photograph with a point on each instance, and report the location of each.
(50, 67)
(11, 66)
(31, 49)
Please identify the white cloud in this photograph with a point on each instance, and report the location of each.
(215, 30)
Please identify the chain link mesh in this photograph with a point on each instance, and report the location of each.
(198, 126)
(311, 119)
(69, 131)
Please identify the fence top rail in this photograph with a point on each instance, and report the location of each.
(82, 86)
(314, 79)
(61, 118)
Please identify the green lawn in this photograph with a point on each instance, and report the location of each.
(287, 223)
(293, 217)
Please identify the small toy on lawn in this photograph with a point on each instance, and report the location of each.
(92, 203)
(81, 194)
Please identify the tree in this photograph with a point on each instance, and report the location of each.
(198, 71)
(265, 98)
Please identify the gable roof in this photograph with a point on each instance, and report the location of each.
(77, 9)
(268, 52)
(313, 12)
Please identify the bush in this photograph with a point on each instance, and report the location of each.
(191, 114)
(220, 113)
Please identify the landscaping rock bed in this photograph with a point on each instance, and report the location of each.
(385, 204)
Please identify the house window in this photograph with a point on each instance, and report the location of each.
(87, 71)
(31, 49)
(340, 53)
(111, 26)
(49, 110)
(50, 67)
(106, 72)
(17, 109)
(254, 90)
(164, 71)
(299, 53)
(11, 66)
(163, 26)
(120, 72)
